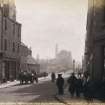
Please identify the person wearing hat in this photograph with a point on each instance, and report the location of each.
(60, 84)
(72, 84)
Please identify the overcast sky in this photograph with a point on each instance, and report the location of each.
(47, 22)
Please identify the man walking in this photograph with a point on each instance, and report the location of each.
(60, 84)
(53, 77)
(79, 85)
(72, 84)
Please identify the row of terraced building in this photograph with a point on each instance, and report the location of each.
(12, 51)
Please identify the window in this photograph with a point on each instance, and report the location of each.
(19, 31)
(13, 29)
(5, 10)
(18, 50)
(13, 49)
(5, 24)
(5, 44)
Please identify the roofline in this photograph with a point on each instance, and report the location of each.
(13, 21)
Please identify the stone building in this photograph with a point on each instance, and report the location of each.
(10, 40)
(95, 40)
(27, 62)
(32, 65)
(9, 8)
(10, 46)
(14, 55)
(24, 52)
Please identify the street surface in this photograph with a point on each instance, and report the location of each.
(42, 92)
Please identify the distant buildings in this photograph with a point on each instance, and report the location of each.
(44, 65)
(62, 62)
(32, 64)
(64, 59)
(95, 40)
(65, 56)
(27, 62)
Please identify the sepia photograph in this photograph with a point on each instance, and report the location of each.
(52, 52)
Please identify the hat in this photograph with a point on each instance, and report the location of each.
(59, 74)
(72, 73)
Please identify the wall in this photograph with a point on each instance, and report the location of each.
(11, 33)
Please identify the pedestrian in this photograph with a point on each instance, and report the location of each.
(60, 84)
(72, 84)
(88, 89)
(36, 77)
(53, 77)
(79, 85)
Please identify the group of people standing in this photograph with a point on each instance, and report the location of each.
(76, 84)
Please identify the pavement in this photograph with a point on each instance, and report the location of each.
(41, 80)
(15, 82)
(9, 84)
(29, 93)
(68, 100)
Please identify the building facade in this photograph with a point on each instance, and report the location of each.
(32, 65)
(95, 40)
(10, 40)
(24, 52)
(9, 8)
(14, 55)
(27, 62)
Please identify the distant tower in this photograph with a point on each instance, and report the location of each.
(56, 50)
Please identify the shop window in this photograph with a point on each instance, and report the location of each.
(14, 29)
(19, 31)
(18, 49)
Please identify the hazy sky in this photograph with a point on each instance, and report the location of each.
(47, 22)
